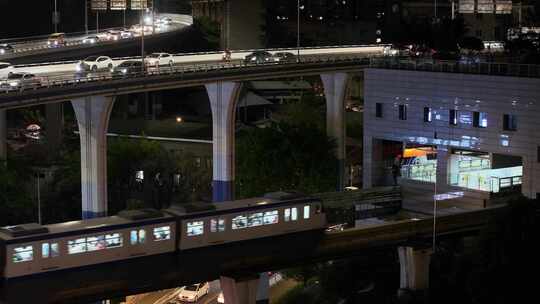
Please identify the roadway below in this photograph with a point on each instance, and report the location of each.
(145, 274)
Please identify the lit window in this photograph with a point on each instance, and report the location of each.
(162, 233)
(133, 237)
(55, 250)
(271, 217)
(221, 225)
(255, 219)
(294, 214)
(306, 211)
(45, 250)
(213, 225)
(402, 112)
(142, 236)
(453, 117)
(113, 240)
(427, 114)
(77, 246)
(95, 243)
(480, 119)
(195, 228)
(287, 215)
(239, 222)
(23, 254)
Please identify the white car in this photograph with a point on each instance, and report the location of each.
(5, 69)
(20, 81)
(94, 63)
(192, 293)
(126, 34)
(157, 59)
(220, 298)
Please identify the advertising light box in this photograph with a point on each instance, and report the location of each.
(118, 4)
(98, 5)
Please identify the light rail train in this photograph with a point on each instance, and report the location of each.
(31, 249)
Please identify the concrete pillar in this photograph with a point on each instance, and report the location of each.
(223, 98)
(414, 269)
(335, 87)
(93, 119)
(3, 136)
(251, 290)
(54, 125)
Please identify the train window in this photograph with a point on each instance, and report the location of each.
(271, 217)
(221, 225)
(23, 254)
(255, 219)
(45, 251)
(142, 236)
(294, 214)
(287, 214)
(113, 240)
(217, 225)
(77, 246)
(54, 250)
(133, 237)
(213, 225)
(239, 222)
(195, 228)
(162, 233)
(95, 243)
(306, 212)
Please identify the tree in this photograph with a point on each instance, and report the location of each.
(209, 30)
(16, 202)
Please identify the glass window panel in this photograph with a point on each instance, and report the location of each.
(133, 237)
(294, 213)
(239, 222)
(94, 243)
(195, 228)
(45, 250)
(213, 225)
(55, 250)
(77, 246)
(113, 240)
(23, 254)
(142, 236)
(162, 233)
(287, 215)
(255, 219)
(221, 225)
(271, 217)
(306, 212)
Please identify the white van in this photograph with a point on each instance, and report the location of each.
(5, 69)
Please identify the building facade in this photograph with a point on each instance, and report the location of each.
(471, 135)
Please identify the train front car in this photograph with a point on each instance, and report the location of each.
(32, 248)
(274, 214)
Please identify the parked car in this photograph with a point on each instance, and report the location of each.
(6, 48)
(157, 59)
(127, 67)
(5, 69)
(20, 80)
(192, 293)
(284, 57)
(56, 40)
(258, 57)
(94, 63)
(90, 40)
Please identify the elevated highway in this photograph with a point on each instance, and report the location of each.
(236, 260)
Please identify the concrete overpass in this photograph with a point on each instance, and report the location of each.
(241, 262)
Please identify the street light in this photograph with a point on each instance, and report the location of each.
(298, 31)
(55, 17)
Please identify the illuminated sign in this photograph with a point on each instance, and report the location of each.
(118, 4)
(139, 4)
(449, 195)
(485, 7)
(98, 5)
(503, 6)
(466, 6)
(465, 142)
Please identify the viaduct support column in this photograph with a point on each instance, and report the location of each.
(414, 269)
(93, 119)
(3, 136)
(335, 86)
(223, 98)
(253, 290)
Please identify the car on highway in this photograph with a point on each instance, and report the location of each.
(5, 69)
(126, 34)
(20, 80)
(284, 57)
(94, 64)
(56, 40)
(157, 59)
(221, 298)
(127, 67)
(259, 57)
(6, 48)
(192, 293)
(113, 35)
(90, 39)
(166, 20)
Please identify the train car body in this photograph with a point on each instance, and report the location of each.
(275, 214)
(33, 249)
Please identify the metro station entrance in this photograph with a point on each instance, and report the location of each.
(419, 163)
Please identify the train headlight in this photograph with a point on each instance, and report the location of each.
(2, 51)
(124, 71)
(14, 84)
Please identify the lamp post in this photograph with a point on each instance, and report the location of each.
(298, 31)
(55, 16)
(142, 39)
(38, 198)
(86, 16)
